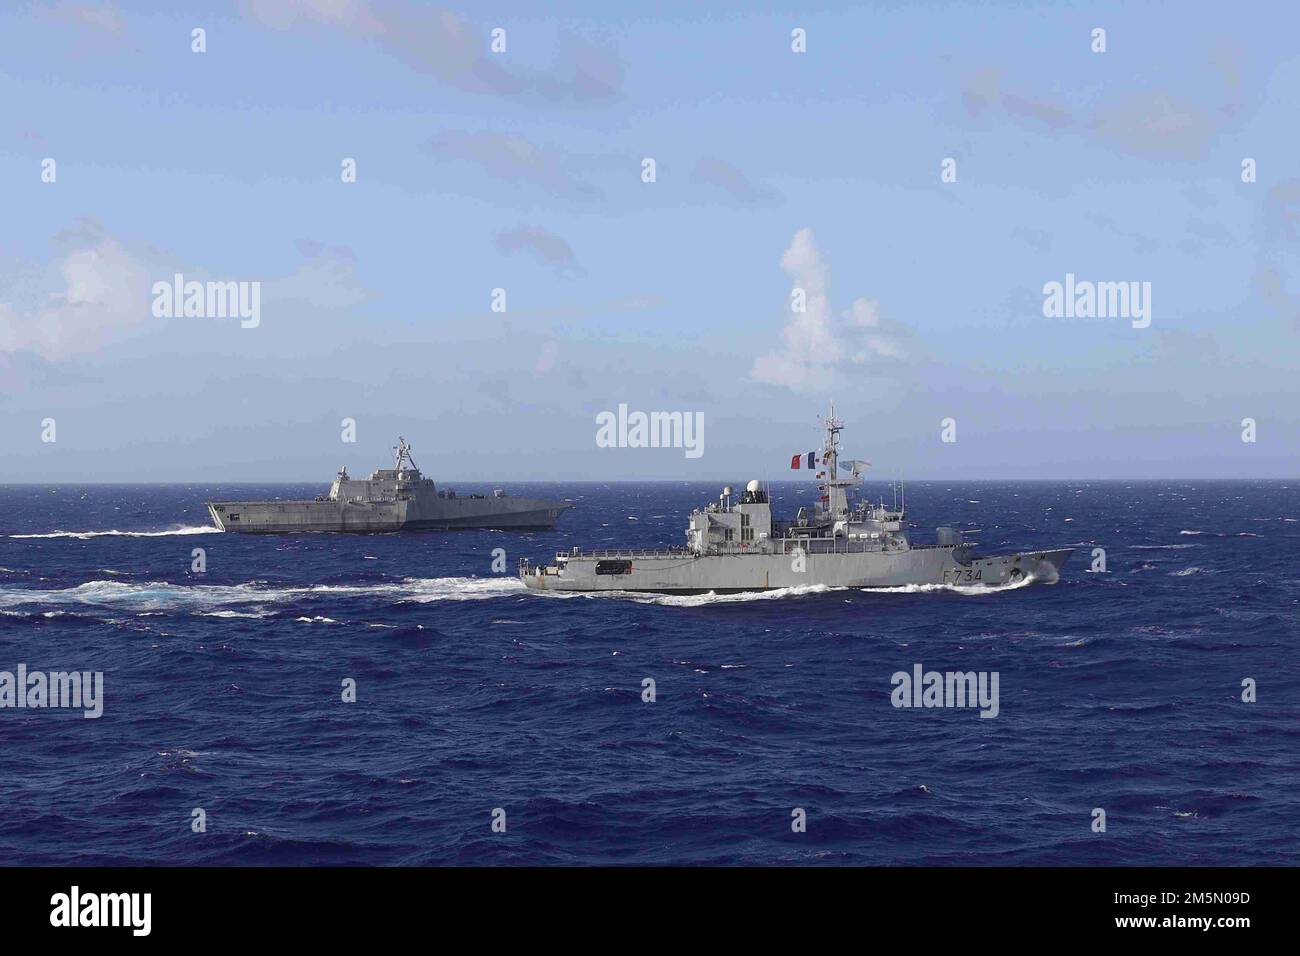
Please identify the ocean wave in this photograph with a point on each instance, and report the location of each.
(83, 535)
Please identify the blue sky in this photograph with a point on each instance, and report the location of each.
(522, 170)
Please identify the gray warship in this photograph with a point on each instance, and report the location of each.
(735, 545)
(391, 499)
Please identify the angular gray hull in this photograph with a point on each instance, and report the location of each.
(682, 572)
(370, 517)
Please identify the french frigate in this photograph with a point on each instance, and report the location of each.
(734, 545)
(391, 499)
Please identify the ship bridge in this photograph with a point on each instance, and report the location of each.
(384, 484)
(743, 524)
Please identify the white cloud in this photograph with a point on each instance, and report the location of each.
(817, 342)
(99, 288)
(103, 290)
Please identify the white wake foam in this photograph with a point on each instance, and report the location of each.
(83, 535)
(971, 590)
(699, 600)
(162, 596)
(148, 596)
(688, 600)
(426, 590)
(777, 594)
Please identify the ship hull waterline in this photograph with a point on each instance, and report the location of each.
(686, 573)
(334, 517)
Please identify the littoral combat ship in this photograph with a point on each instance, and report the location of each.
(735, 546)
(391, 499)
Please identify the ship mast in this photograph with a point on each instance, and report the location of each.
(403, 451)
(833, 427)
(835, 499)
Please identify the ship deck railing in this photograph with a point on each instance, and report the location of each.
(624, 553)
(785, 546)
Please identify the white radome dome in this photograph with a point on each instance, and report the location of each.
(752, 486)
(726, 490)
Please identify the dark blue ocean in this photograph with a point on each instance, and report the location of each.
(222, 690)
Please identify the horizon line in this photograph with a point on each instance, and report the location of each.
(630, 481)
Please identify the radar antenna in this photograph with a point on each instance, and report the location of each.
(834, 500)
(403, 453)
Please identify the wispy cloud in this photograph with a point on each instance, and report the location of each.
(1178, 120)
(1282, 211)
(511, 158)
(986, 92)
(326, 279)
(717, 172)
(445, 45)
(546, 247)
(1277, 271)
(1156, 124)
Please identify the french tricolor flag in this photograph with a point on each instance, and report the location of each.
(798, 461)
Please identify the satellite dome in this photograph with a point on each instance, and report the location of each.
(752, 486)
(726, 490)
